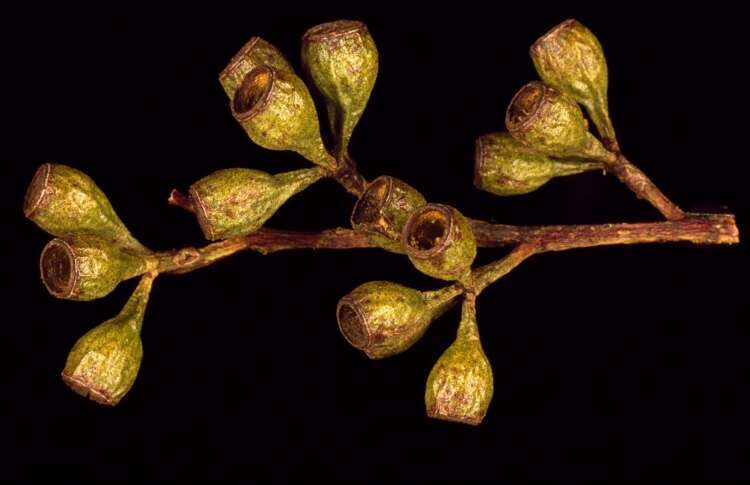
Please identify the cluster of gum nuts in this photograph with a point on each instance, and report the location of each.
(547, 137)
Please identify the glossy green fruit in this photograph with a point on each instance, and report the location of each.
(383, 318)
(570, 58)
(277, 112)
(552, 123)
(342, 60)
(104, 363)
(439, 242)
(460, 385)
(64, 202)
(87, 267)
(383, 209)
(505, 166)
(237, 201)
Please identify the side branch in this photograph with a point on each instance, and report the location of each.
(643, 187)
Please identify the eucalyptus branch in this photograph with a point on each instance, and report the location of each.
(693, 228)
(547, 137)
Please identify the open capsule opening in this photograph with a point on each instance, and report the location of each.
(352, 324)
(58, 268)
(427, 230)
(367, 213)
(525, 105)
(253, 93)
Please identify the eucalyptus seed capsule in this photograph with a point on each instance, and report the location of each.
(277, 112)
(237, 201)
(505, 166)
(104, 363)
(382, 211)
(570, 58)
(460, 385)
(552, 123)
(64, 202)
(342, 60)
(439, 242)
(87, 267)
(383, 318)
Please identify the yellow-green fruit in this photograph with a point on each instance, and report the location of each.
(383, 209)
(237, 201)
(86, 267)
(342, 60)
(439, 242)
(460, 385)
(276, 110)
(104, 363)
(64, 201)
(552, 123)
(383, 318)
(505, 166)
(255, 53)
(570, 58)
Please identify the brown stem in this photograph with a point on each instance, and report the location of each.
(486, 275)
(642, 186)
(349, 177)
(264, 241)
(694, 228)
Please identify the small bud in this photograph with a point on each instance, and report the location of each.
(87, 267)
(342, 60)
(382, 211)
(257, 52)
(104, 363)
(383, 318)
(505, 166)
(460, 385)
(64, 201)
(237, 201)
(552, 123)
(439, 242)
(277, 112)
(570, 59)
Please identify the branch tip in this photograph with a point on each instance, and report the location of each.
(181, 200)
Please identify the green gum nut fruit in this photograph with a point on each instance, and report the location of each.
(257, 52)
(342, 60)
(87, 267)
(104, 363)
(383, 209)
(277, 112)
(460, 385)
(439, 242)
(64, 201)
(552, 123)
(383, 318)
(237, 201)
(570, 58)
(505, 166)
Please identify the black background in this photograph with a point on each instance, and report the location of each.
(620, 362)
